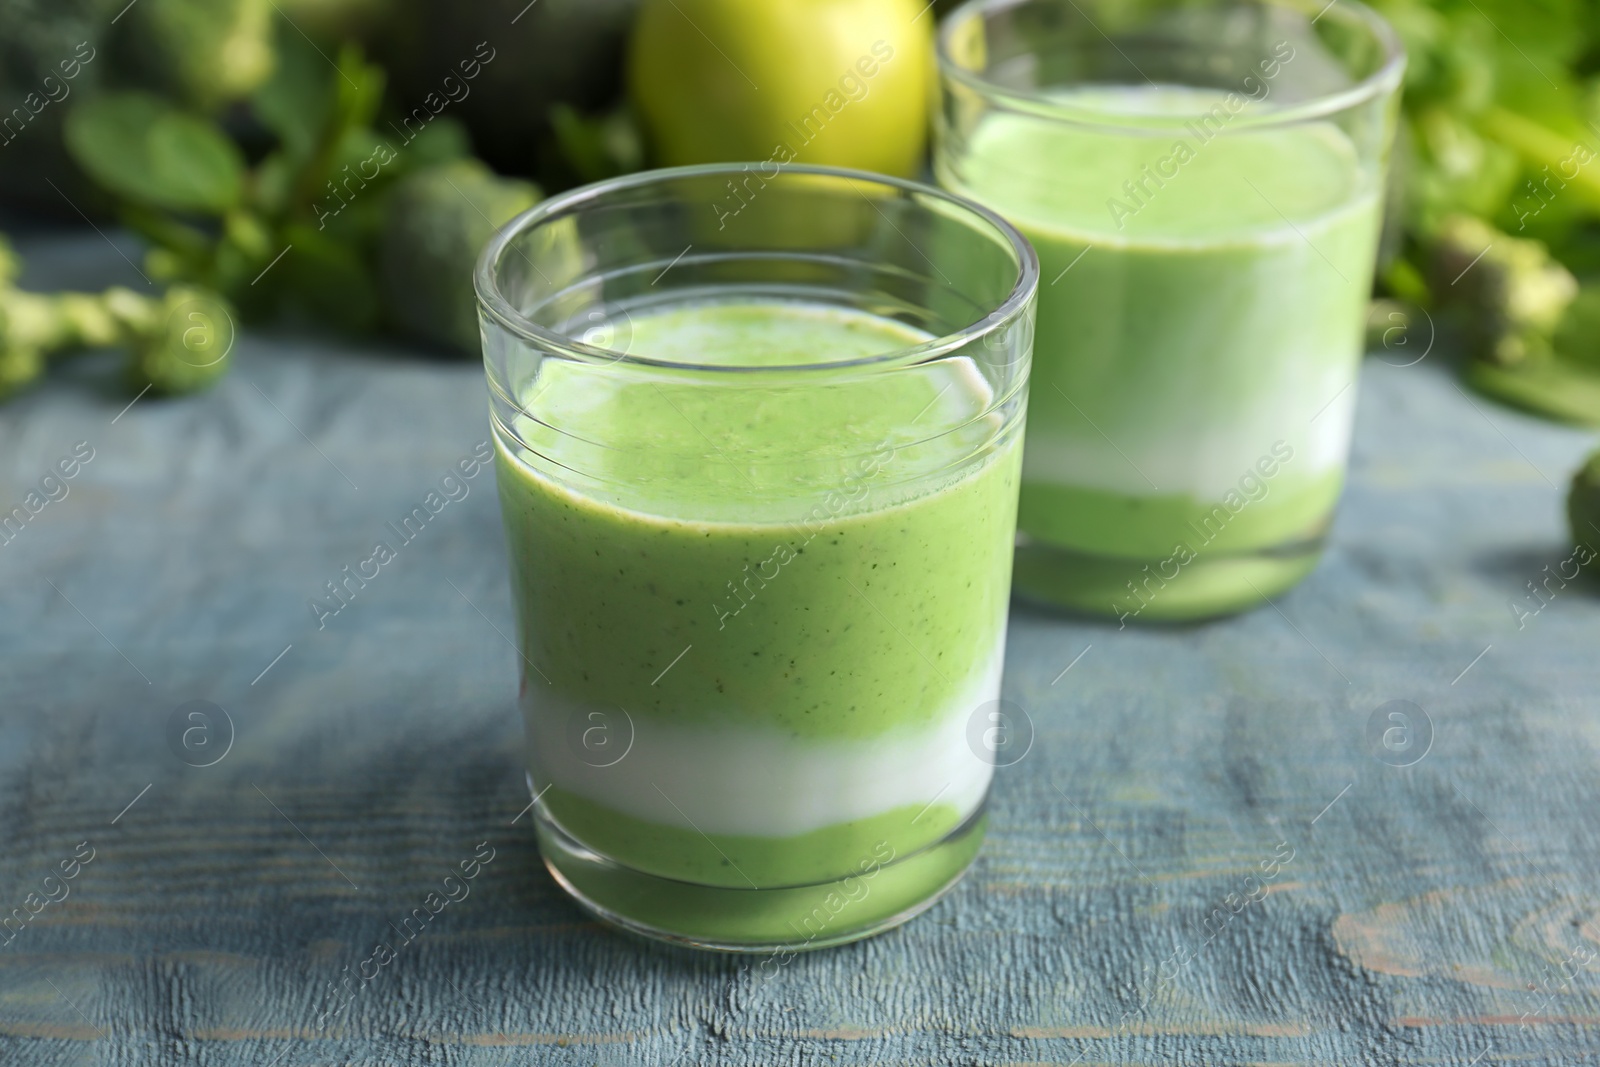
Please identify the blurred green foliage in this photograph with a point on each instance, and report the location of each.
(258, 147)
(438, 221)
(545, 54)
(177, 342)
(1500, 178)
(1583, 502)
(201, 53)
(296, 232)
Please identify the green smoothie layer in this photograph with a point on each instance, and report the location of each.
(871, 581)
(756, 556)
(747, 861)
(1143, 527)
(882, 888)
(1202, 299)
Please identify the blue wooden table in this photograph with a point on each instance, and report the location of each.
(1436, 901)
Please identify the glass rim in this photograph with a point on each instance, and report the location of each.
(493, 301)
(1385, 79)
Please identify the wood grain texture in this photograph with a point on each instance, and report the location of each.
(1430, 914)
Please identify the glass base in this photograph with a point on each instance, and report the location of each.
(790, 918)
(1208, 586)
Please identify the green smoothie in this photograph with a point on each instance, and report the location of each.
(758, 609)
(1200, 316)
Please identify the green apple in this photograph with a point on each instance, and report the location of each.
(840, 82)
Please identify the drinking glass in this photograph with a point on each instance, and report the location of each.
(1203, 181)
(758, 439)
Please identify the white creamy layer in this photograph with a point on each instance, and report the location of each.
(1313, 415)
(756, 780)
(1183, 434)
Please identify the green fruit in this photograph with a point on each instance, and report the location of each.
(436, 223)
(840, 82)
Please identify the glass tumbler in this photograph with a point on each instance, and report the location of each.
(1203, 181)
(759, 440)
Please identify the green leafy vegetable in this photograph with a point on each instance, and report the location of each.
(600, 146)
(329, 281)
(297, 232)
(296, 101)
(178, 342)
(142, 148)
(203, 53)
(1511, 294)
(438, 221)
(1583, 502)
(1501, 156)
